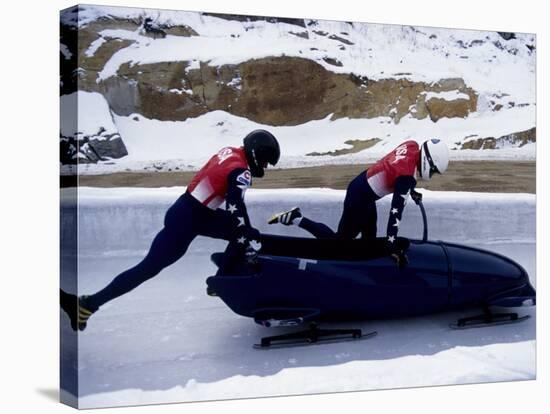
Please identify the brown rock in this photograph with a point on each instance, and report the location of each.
(184, 31)
(245, 18)
(333, 61)
(91, 65)
(303, 35)
(274, 90)
(480, 143)
(356, 146)
(340, 39)
(440, 108)
(519, 138)
(516, 139)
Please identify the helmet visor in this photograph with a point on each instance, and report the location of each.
(428, 168)
(433, 170)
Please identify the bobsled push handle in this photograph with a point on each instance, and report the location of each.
(269, 317)
(424, 220)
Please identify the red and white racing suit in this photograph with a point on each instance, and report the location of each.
(394, 173)
(224, 178)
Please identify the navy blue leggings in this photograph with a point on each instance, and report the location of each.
(184, 220)
(359, 214)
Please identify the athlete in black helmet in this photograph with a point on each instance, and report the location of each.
(225, 177)
(261, 148)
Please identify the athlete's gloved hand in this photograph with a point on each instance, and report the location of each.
(416, 196)
(253, 245)
(400, 259)
(252, 235)
(251, 255)
(397, 254)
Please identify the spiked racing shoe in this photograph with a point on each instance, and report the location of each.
(85, 310)
(286, 217)
(77, 309)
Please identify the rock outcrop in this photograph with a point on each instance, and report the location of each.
(273, 91)
(276, 91)
(85, 149)
(517, 139)
(91, 136)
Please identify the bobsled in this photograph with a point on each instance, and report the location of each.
(306, 281)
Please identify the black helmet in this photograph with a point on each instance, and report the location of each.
(261, 148)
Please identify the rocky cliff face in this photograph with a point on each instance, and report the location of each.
(84, 149)
(276, 90)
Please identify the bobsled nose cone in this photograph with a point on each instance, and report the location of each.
(530, 294)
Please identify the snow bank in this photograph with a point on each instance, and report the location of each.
(188, 144)
(127, 219)
(86, 114)
(463, 365)
(447, 96)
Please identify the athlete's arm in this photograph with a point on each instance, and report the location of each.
(238, 182)
(404, 184)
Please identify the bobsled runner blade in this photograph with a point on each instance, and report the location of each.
(481, 321)
(313, 336)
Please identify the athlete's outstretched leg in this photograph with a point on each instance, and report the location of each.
(181, 226)
(319, 230)
(167, 247)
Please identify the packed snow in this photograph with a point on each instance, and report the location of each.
(86, 114)
(94, 46)
(473, 364)
(447, 96)
(168, 341)
(186, 145)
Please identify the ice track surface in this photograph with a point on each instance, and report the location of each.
(168, 341)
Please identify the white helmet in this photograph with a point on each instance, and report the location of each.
(434, 158)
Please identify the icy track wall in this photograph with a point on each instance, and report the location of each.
(125, 220)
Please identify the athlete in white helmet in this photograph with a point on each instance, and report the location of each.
(393, 174)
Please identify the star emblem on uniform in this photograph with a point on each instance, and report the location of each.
(241, 221)
(391, 239)
(394, 210)
(231, 208)
(397, 222)
(241, 240)
(406, 196)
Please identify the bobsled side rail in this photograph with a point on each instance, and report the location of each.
(326, 249)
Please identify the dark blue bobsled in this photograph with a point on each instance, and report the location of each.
(310, 280)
